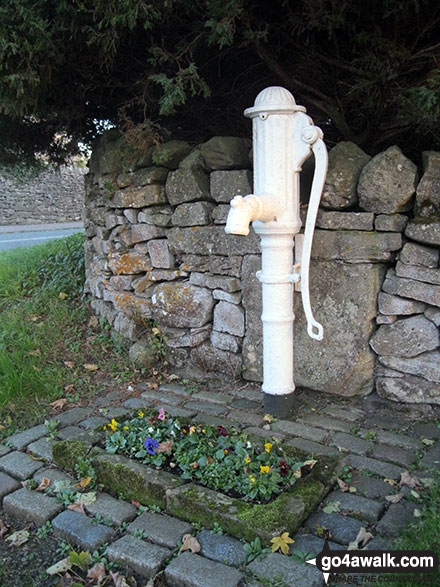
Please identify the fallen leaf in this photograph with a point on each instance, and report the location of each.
(86, 498)
(394, 498)
(361, 539)
(172, 465)
(415, 494)
(282, 543)
(119, 580)
(62, 295)
(165, 446)
(91, 366)
(93, 322)
(35, 353)
(428, 441)
(83, 482)
(59, 403)
(352, 489)
(18, 538)
(268, 418)
(69, 388)
(194, 465)
(390, 481)
(409, 480)
(417, 514)
(60, 567)
(191, 543)
(44, 484)
(332, 507)
(76, 507)
(153, 385)
(70, 364)
(297, 474)
(209, 461)
(136, 503)
(97, 572)
(35, 368)
(343, 486)
(310, 463)
(4, 528)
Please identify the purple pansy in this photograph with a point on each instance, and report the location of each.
(151, 445)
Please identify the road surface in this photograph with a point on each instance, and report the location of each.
(33, 234)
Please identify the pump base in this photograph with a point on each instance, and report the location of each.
(280, 406)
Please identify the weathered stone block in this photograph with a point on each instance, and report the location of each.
(293, 573)
(41, 448)
(414, 254)
(211, 240)
(187, 185)
(134, 480)
(343, 528)
(345, 220)
(409, 389)
(213, 264)
(229, 318)
(170, 154)
(117, 510)
(128, 263)
(31, 506)
(355, 247)
(356, 506)
(189, 339)
(19, 465)
(228, 284)
(149, 195)
(160, 254)
(121, 282)
(406, 338)
(197, 571)
(181, 304)
(424, 274)
(220, 213)
(224, 341)
(78, 528)
(232, 298)
(161, 529)
(141, 177)
(390, 222)
(433, 314)
(410, 288)
(428, 190)
(193, 214)
(394, 305)
(346, 161)
(135, 306)
(227, 184)
(7, 484)
(22, 439)
(424, 230)
(144, 232)
(387, 183)
(426, 365)
(210, 358)
(221, 548)
(158, 215)
(144, 558)
(143, 355)
(225, 153)
(381, 468)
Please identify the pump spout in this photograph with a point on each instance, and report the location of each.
(245, 210)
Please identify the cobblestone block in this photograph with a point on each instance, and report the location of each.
(245, 418)
(327, 423)
(312, 448)
(223, 549)
(31, 506)
(215, 397)
(349, 413)
(173, 388)
(397, 440)
(394, 454)
(379, 467)
(19, 465)
(351, 443)
(209, 420)
(311, 545)
(192, 570)
(161, 529)
(248, 393)
(370, 487)
(42, 448)
(72, 416)
(77, 433)
(136, 403)
(300, 429)
(144, 558)
(117, 510)
(387, 422)
(53, 475)
(4, 450)
(343, 529)
(427, 430)
(22, 439)
(214, 409)
(293, 573)
(356, 505)
(160, 396)
(398, 516)
(93, 422)
(7, 484)
(246, 404)
(431, 460)
(79, 529)
(262, 434)
(116, 412)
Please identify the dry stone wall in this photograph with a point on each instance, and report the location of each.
(53, 196)
(157, 251)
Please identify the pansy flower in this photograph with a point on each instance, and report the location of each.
(222, 430)
(161, 415)
(151, 445)
(284, 468)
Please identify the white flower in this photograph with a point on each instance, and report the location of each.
(172, 433)
(248, 444)
(151, 429)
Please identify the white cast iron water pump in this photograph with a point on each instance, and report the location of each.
(283, 137)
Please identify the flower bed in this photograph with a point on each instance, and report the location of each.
(216, 457)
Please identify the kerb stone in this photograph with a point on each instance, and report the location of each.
(78, 528)
(31, 506)
(144, 558)
(193, 570)
(163, 530)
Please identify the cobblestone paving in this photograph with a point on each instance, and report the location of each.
(377, 440)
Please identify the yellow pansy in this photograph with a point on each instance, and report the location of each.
(264, 469)
(192, 429)
(113, 425)
(247, 459)
(267, 447)
(141, 414)
(252, 479)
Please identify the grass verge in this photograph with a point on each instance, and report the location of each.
(51, 346)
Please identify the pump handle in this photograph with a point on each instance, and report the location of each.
(313, 136)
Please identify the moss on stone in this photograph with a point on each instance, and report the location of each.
(67, 453)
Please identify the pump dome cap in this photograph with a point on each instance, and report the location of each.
(274, 99)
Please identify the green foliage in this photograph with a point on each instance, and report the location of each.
(367, 71)
(218, 458)
(254, 550)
